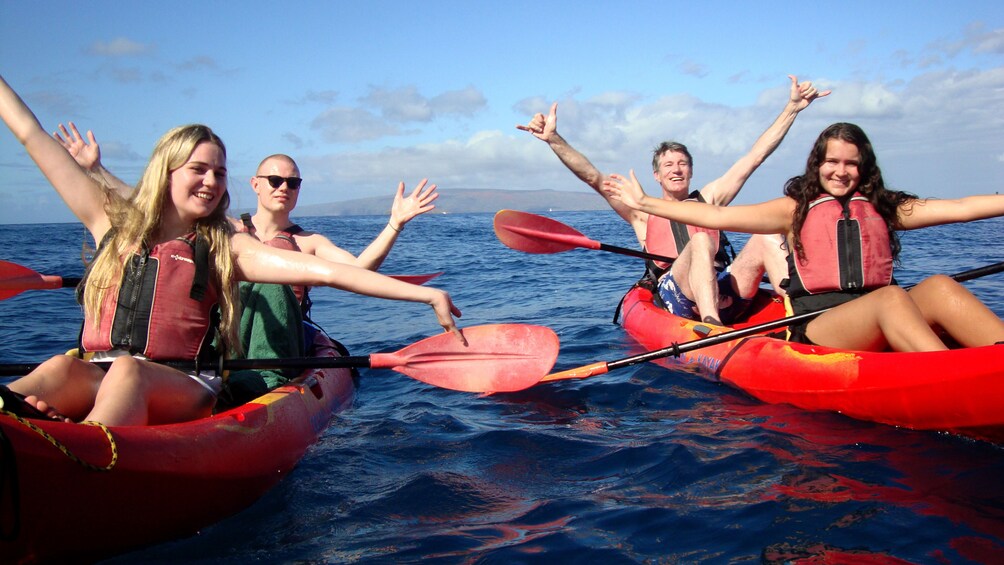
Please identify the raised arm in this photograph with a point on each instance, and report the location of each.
(402, 211)
(88, 156)
(257, 262)
(82, 195)
(724, 189)
(773, 216)
(545, 128)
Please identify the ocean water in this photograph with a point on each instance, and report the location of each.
(647, 464)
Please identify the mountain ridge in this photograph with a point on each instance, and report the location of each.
(467, 200)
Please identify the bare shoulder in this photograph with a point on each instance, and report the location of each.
(241, 242)
(307, 239)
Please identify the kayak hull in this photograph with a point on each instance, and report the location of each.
(168, 482)
(959, 391)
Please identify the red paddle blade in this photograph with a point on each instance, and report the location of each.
(15, 279)
(497, 358)
(536, 234)
(416, 279)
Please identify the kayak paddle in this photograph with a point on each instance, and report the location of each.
(531, 233)
(417, 279)
(677, 349)
(497, 358)
(15, 279)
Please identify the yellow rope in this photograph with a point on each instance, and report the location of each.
(56, 443)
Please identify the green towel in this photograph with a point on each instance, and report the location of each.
(271, 328)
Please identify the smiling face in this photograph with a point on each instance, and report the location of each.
(197, 187)
(839, 172)
(673, 173)
(281, 198)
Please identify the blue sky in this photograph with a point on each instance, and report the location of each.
(366, 94)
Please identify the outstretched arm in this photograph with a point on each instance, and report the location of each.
(545, 128)
(257, 262)
(88, 156)
(402, 211)
(82, 195)
(773, 216)
(925, 212)
(723, 190)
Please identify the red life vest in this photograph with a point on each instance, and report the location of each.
(163, 308)
(846, 248)
(668, 237)
(282, 240)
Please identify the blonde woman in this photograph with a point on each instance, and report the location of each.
(167, 257)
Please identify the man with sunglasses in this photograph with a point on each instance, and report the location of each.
(277, 184)
(272, 317)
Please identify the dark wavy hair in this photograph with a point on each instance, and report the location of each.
(806, 187)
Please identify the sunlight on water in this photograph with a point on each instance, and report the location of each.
(645, 464)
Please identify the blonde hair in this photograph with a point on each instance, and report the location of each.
(137, 219)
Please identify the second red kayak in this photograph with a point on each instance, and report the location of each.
(959, 391)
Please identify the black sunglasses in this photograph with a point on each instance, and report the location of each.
(275, 181)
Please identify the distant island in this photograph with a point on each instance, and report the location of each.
(466, 201)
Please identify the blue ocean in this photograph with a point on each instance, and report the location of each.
(651, 463)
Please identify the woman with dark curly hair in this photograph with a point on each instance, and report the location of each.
(840, 221)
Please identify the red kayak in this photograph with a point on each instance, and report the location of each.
(58, 503)
(959, 391)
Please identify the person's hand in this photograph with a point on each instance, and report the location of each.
(417, 203)
(442, 304)
(543, 127)
(87, 155)
(627, 191)
(802, 94)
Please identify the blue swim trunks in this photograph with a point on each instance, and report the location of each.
(731, 306)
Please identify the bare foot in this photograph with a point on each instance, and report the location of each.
(44, 408)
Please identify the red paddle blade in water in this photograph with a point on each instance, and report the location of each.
(496, 358)
(531, 233)
(416, 279)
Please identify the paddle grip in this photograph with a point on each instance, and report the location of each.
(598, 368)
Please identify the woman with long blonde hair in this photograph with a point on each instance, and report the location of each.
(166, 257)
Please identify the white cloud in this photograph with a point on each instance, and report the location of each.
(119, 47)
(348, 125)
(465, 102)
(58, 103)
(990, 42)
(693, 68)
(936, 135)
(406, 104)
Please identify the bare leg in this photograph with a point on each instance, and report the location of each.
(136, 392)
(948, 305)
(694, 271)
(761, 252)
(886, 317)
(63, 384)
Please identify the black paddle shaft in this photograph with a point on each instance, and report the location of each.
(18, 369)
(634, 253)
(676, 349)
